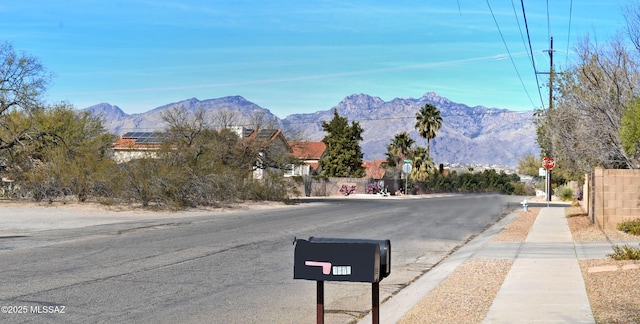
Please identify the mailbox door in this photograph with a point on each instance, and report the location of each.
(385, 250)
(353, 262)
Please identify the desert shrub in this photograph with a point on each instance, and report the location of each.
(65, 153)
(564, 193)
(522, 189)
(347, 190)
(625, 253)
(374, 188)
(480, 182)
(630, 227)
(274, 188)
(9, 190)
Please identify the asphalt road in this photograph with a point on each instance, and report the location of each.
(226, 268)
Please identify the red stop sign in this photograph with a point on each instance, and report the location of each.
(548, 162)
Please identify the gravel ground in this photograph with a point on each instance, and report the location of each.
(612, 286)
(518, 229)
(467, 294)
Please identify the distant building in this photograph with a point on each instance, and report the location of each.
(276, 145)
(136, 145)
(310, 154)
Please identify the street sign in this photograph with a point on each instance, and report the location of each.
(406, 168)
(548, 162)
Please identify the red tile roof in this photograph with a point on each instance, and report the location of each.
(308, 150)
(313, 165)
(374, 169)
(130, 144)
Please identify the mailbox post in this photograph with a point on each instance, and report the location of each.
(336, 259)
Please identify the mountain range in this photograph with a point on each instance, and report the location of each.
(470, 135)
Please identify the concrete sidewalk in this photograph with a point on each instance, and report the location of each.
(545, 283)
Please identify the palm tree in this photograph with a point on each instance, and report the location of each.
(428, 122)
(399, 149)
(422, 164)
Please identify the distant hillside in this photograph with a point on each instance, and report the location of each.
(476, 135)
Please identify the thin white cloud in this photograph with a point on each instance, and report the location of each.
(423, 66)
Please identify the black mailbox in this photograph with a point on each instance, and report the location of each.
(336, 259)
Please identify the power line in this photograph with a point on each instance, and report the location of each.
(569, 32)
(524, 43)
(548, 22)
(535, 71)
(509, 52)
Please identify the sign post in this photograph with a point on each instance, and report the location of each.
(406, 168)
(548, 162)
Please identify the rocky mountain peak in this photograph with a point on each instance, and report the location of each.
(359, 104)
(435, 98)
(108, 111)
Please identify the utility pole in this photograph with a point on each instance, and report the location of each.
(550, 152)
(550, 149)
(551, 73)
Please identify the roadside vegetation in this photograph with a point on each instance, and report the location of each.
(625, 252)
(53, 152)
(593, 120)
(630, 226)
(426, 177)
(488, 181)
(69, 158)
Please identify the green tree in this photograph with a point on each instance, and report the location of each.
(422, 164)
(428, 122)
(23, 81)
(530, 165)
(68, 153)
(630, 130)
(582, 127)
(399, 149)
(184, 126)
(344, 155)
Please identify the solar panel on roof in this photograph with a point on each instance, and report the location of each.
(265, 134)
(150, 138)
(145, 137)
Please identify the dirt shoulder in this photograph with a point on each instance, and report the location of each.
(20, 218)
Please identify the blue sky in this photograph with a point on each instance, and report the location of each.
(300, 56)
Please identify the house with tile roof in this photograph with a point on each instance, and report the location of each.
(136, 145)
(276, 146)
(310, 154)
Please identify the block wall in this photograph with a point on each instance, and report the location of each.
(617, 196)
